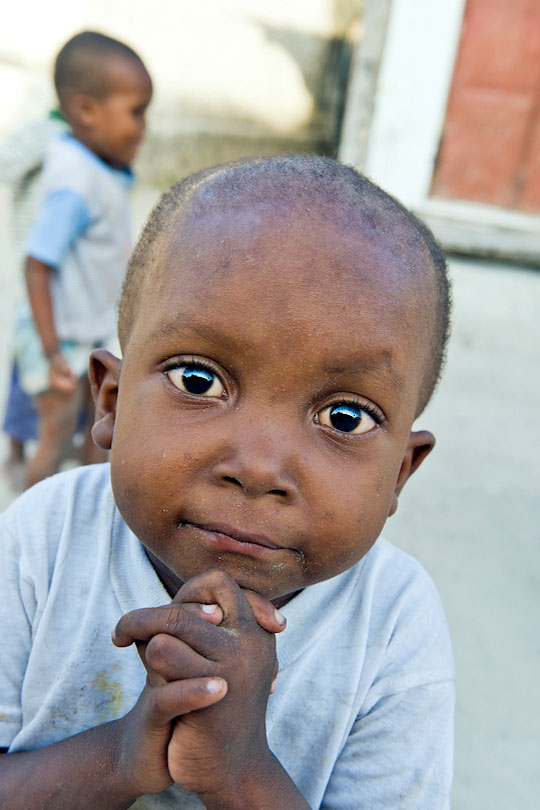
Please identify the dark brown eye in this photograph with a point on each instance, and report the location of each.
(195, 379)
(347, 418)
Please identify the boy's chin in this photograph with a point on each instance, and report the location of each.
(172, 582)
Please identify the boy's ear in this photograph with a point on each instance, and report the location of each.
(104, 374)
(84, 109)
(420, 445)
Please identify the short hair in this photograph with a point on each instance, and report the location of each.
(82, 64)
(298, 177)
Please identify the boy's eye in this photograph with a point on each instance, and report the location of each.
(193, 378)
(347, 418)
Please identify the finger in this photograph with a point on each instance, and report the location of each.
(172, 619)
(64, 384)
(153, 678)
(58, 383)
(171, 659)
(210, 613)
(216, 586)
(268, 617)
(164, 703)
(166, 664)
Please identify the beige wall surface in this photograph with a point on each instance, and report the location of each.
(231, 76)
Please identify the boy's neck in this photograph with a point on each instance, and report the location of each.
(82, 137)
(170, 581)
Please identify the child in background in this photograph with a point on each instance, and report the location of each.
(21, 161)
(79, 243)
(283, 323)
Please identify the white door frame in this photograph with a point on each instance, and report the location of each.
(416, 71)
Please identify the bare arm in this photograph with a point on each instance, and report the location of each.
(39, 293)
(110, 766)
(81, 772)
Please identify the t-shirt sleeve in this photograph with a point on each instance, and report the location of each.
(62, 218)
(17, 605)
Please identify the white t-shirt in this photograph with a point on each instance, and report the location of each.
(82, 229)
(362, 715)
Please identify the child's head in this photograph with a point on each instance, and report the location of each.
(104, 89)
(283, 323)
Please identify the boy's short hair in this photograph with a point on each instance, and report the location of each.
(303, 177)
(81, 65)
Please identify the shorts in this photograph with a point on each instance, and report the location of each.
(21, 419)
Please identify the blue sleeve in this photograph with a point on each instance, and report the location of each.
(62, 218)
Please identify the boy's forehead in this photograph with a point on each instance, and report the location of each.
(296, 240)
(311, 257)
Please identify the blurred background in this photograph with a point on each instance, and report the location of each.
(439, 102)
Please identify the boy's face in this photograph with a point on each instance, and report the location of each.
(265, 402)
(116, 123)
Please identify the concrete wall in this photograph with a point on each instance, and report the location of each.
(232, 77)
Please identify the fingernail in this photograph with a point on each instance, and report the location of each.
(279, 617)
(215, 686)
(209, 608)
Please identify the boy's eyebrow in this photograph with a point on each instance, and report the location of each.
(205, 331)
(378, 364)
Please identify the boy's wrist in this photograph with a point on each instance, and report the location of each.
(50, 354)
(119, 782)
(269, 786)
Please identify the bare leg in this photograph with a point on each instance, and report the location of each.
(57, 424)
(16, 451)
(14, 466)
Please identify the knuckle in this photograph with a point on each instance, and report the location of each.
(156, 651)
(174, 619)
(220, 578)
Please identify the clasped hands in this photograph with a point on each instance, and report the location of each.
(211, 664)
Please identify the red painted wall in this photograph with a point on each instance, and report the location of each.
(490, 149)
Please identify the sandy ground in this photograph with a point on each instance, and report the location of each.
(472, 516)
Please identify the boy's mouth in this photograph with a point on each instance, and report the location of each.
(224, 538)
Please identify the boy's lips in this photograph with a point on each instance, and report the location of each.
(225, 538)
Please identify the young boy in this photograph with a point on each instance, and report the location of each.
(282, 324)
(79, 243)
(21, 162)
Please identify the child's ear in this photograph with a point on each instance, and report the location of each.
(104, 373)
(84, 109)
(420, 445)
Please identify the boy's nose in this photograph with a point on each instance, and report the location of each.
(258, 467)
